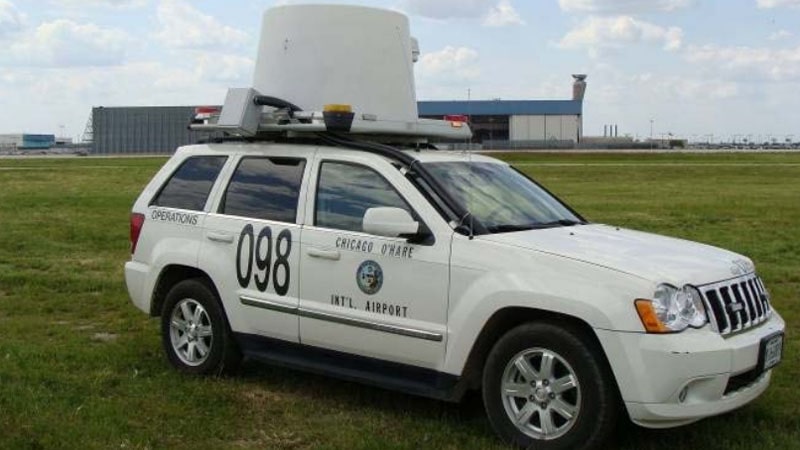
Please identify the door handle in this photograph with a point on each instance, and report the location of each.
(333, 255)
(220, 237)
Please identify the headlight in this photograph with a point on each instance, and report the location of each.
(672, 309)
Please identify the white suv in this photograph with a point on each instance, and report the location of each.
(434, 273)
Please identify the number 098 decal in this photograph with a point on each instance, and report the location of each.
(253, 251)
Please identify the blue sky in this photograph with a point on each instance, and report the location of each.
(697, 68)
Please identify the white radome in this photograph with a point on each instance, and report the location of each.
(323, 54)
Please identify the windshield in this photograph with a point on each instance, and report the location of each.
(501, 198)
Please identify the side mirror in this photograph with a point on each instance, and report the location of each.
(390, 222)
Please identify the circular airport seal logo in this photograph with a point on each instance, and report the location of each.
(369, 277)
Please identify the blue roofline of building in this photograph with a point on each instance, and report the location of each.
(501, 107)
(472, 108)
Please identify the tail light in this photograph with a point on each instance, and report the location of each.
(456, 120)
(203, 113)
(137, 220)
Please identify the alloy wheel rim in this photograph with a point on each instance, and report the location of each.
(541, 393)
(191, 332)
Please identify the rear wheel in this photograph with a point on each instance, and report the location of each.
(545, 388)
(195, 335)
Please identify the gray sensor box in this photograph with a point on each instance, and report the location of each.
(240, 115)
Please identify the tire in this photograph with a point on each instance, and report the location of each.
(194, 330)
(571, 405)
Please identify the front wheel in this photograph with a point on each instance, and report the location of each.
(195, 335)
(545, 387)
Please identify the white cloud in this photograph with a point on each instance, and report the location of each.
(780, 35)
(615, 86)
(749, 62)
(64, 43)
(224, 67)
(687, 88)
(69, 93)
(101, 3)
(447, 9)
(503, 14)
(494, 13)
(682, 103)
(450, 63)
(598, 33)
(10, 18)
(183, 26)
(623, 6)
(767, 4)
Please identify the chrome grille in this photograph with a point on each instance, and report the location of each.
(737, 304)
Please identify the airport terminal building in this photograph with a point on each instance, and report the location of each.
(513, 123)
(504, 124)
(27, 141)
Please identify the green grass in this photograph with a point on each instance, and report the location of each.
(63, 240)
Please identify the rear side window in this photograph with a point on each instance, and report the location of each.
(265, 188)
(189, 186)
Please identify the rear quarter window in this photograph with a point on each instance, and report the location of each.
(190, 184)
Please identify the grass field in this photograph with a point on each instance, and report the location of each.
(80, 367)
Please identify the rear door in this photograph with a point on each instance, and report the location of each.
(252, 239)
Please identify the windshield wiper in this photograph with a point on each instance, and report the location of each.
(510, 227)
(560, 222)
(506, 228)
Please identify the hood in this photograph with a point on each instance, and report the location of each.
(649, 256)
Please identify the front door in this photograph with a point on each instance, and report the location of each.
(363, 294)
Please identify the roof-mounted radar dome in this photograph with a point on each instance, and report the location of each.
(314, 55)
(332, 68)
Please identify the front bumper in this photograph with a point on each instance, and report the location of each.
(675, 379)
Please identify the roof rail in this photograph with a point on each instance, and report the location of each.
(244, 115)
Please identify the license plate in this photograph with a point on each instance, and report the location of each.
(771, 351)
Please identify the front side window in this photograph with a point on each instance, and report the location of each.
(346, 191)
(265, 188)
(189, 186)
(500, 198)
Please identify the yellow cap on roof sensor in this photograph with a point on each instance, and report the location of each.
(334, 107)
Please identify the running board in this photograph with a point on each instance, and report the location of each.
(374, 372)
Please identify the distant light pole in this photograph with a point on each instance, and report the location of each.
(651, 133)
(491, 125)
(469, 116)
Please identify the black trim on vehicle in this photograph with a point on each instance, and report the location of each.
(743, 380)
(343, 319)
(374, 372)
